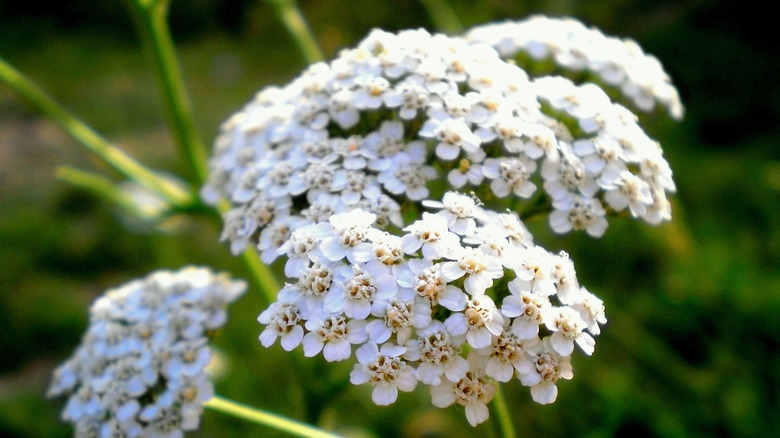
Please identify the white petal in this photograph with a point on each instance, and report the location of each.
(544, 393)
(384, 395)
(442, 395)
(336, 351)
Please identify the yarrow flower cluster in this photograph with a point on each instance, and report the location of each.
(139, 370)
(385, 180)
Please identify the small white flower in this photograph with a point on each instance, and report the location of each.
(425, 278)
(384, 370)
(526, 309)
(345, 236)
(567, 327)
(453, 135)
(438, 353)
(333, 335)
(480, 321)
(282, 320)
(360, 288)
(431, 233)
(481, 269)
(549, 367)
(473, 392)
(510, 175)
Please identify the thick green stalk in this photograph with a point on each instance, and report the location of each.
(442, 16)
(289, 14)
(151, 17)
(274, 421)
(83, 134)
(502, 414)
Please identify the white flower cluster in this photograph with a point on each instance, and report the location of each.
(333, 172)
(618, 62)
(139, 371)
(460, 279)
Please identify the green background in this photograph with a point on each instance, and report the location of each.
(691, 348)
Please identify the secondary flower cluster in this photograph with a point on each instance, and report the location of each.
(334, 172)
(139, 370)
(618, 62)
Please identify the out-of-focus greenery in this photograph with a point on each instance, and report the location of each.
(691, 347)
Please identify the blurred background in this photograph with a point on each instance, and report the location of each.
(691, 349)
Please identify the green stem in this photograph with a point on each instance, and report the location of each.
(92, 182)
(502, 414)
(83, 134)
(261, 274)
(442, 15)
(151, 18)
(271, 420)
(292, 18)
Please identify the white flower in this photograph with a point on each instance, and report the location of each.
(480, 321)
(480, 267)
(526, 309)
(567, 327)
(581, 214)
(465, 172)
(510, 175)
(360, 288)
(431, 233)
(399, 317)
(426, 280)
(473, 392)
(548, 368)
(508, 354)
(404, 177)
(438, 353)
(282, 320)
(453, 135)
(342, 110)
(591, 310)
(333, 335)
(384, 370)
(125, 382)
(460, 211)
(345, 236)
(630, 191)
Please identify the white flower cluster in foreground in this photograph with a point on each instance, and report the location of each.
(355, 173)
(139, 370)
(459, 279)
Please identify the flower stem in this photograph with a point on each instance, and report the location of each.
(83, 134)
(151, 18)
(289, 14)
(442, 15)
(271, 420)
(502, 414)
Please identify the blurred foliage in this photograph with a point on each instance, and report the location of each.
(690, 348)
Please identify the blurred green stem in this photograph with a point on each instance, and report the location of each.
(442, 15)
(92, 182)
(274, 421)
(502, 414)
(151, 17)
(83, 134)
(289, 14)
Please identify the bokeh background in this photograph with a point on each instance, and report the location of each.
(692, 345)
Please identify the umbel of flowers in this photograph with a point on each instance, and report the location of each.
(140, 368)
(389, 181)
